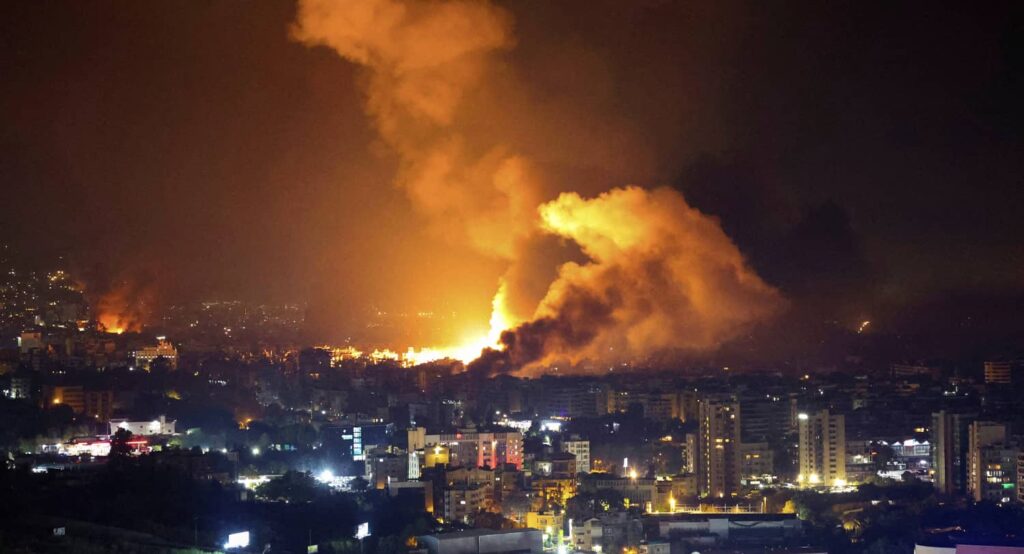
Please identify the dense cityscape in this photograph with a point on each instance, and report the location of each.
(511, 277)
(178, 442)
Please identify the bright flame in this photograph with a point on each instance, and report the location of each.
(501, 319)
(470, 349)
(465, 351)
(111, 323)
(658, 275)
(123, 308)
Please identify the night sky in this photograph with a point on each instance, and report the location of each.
(867, 158)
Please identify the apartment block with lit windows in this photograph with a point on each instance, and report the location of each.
(720, 464)
(822, 449)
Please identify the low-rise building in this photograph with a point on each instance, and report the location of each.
(384, 468)
(548, 522)
(581, 450)
(559, 464)
(485, 541)
(587, 534)
(553, 490)
(158, 426)
(637, 491)
(98, 404)
(463, 501)
(751, 528)
(471, 448)
(655, 547)
(674, 491)
(608, 532)
(145, 356)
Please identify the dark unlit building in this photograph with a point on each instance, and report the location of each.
(485, 541)
(734, 528)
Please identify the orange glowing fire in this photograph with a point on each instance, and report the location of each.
(475, 343)
(112, 323)
(465, 351)
(658, 274)
(122, 309)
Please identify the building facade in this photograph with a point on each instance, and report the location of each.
(949, 454)
(719, 449)
(145, 356)
(158, 426)
(470, 448)
(580, 449)
(989, 470)
(822, 449)
(998, 373)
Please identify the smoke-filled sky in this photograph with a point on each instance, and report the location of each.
(863, 159)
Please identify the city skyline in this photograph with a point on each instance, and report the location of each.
(511, 277)
(864, 170)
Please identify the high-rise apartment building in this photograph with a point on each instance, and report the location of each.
(998, 373)
(984, 439)
(822, 449)
(768, 417)
(1020, 477)
(950, 451)
(997, 467)
(719, 446)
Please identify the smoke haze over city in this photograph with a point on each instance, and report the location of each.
(511, 277)
(851, 163)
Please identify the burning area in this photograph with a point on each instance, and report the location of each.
(654, 273)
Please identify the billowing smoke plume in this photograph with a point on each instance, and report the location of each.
(660, 274)
(125, 305)
(424, 59)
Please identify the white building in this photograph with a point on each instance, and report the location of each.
(822, 449)
(587, 535)
(580, 449)
(85, 447)
(159, 426)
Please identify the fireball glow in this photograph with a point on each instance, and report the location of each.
(659, 275)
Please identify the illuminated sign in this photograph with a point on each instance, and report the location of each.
(548, 425)
(237, 540)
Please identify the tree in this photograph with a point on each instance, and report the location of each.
(293, 486)
(882, 456)
(492, 520)
(390, 545)
(119, 447)
(359, 484)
